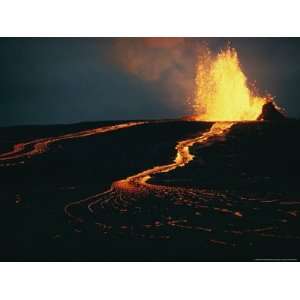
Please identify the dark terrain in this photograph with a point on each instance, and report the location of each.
(249, 185)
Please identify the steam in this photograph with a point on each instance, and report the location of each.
(169, 63)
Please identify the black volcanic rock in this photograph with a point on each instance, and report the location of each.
(270, 113)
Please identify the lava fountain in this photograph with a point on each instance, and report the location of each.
(221, 89)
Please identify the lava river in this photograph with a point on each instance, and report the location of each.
(31, 148)
(136, 208)
(124, 192)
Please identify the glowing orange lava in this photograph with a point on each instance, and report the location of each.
(137, 185)
(38, 146)
(183, 157)
(222, 93)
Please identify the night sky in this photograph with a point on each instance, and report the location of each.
(67, 80)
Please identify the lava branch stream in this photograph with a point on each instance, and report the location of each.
(129, 189)
(139, 181)
(39, 146)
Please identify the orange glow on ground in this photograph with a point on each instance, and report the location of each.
(39, 146)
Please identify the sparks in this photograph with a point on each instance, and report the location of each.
(222, 93)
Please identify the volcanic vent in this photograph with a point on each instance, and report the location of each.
(271, 113)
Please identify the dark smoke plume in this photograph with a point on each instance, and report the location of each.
(169, 63)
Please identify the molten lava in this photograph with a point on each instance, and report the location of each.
(137, 185)
(39, 146)
(222, 93)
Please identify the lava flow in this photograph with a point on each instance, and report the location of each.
(137, 186)
(138, 182)
(38, 146)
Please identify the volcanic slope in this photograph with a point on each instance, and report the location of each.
(237, 198)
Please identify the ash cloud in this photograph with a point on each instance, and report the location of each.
(167, 63)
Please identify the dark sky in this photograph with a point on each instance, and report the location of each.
(65, 80)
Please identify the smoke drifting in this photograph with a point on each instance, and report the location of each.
(169, 63)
